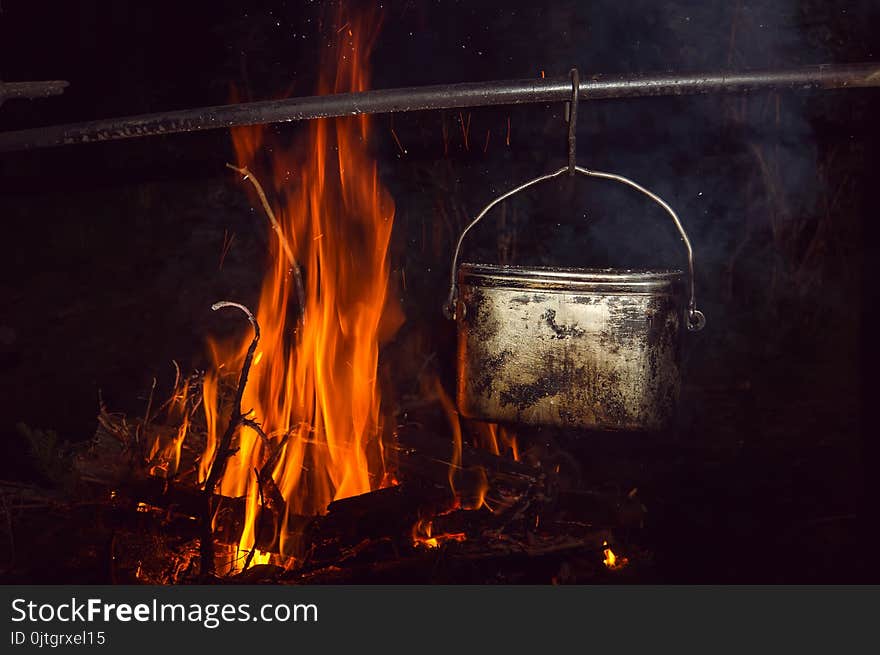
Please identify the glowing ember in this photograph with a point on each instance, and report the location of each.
(422, 535)
(612, 561)
(314, 380)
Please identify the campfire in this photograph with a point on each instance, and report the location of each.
(281, 460)
(391, 326)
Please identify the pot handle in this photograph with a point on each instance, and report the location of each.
(696, 319)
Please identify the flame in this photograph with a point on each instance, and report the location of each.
(469, 486)
(210, 393)
(261, 557)
(471, 496)
(314, 380)
(163, 458)
(497, 439)
(455, 425)
(422, 535)
(612, 561)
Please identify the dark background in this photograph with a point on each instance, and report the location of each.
(111, 253)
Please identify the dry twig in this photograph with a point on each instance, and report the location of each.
(224, 450)
(297, 274)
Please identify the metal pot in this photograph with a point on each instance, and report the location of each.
(583, 348)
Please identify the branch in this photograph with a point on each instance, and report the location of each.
(256, 427)
(224, 451)
(297, 274)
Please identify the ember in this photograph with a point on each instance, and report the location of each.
(611, 560)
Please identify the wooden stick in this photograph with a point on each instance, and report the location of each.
(218, 466)
(297, 274)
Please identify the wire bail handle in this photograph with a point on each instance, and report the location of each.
(696, 320)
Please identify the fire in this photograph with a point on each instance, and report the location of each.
(612, 561)
(163, 457)
(497, 439)
(471, 496)
(422, 535)
(469, 485)
(313, 384)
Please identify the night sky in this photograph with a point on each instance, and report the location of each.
(111, 250)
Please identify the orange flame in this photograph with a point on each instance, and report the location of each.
(476, 496)
(497, 439)
(163, 458)
(469, 486)
(610, 560)
(314, 380)
(422, 535)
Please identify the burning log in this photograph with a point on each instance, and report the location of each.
(391, 513)
(424, 455)
(377, 535)
(422, 459)
(497, 559)
(354, 524)
(515, 498)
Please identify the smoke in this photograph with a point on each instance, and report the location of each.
(745, 173)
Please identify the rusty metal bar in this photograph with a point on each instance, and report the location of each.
(448, 96)
(31, 90)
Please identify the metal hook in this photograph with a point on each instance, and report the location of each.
(572, 120)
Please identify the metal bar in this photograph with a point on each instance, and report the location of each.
(476, 94)
(31, 90)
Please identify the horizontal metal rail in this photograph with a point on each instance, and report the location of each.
(446, 96)
(31, 90)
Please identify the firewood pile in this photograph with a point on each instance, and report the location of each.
(507, 520)
(448, 512)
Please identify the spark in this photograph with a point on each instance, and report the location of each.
(397, 141)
